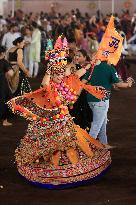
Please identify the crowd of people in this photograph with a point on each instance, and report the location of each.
(61, 102)
(85, 30)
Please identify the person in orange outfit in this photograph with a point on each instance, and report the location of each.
(55, 152)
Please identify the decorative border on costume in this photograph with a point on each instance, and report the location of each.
(58, 181)
(70, 185)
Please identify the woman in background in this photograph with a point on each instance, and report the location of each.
(5, 94)
(81, 110)
(19, 83)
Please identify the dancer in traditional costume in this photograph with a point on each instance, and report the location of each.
(18, 82)
(55, 152)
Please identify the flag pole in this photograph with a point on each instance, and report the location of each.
(99, 5)
(13, 8)
(113, 6)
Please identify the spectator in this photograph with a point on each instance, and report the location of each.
(35, 50)
(19, 83)
(27, 38)
(10, 36)
(103, 75)
(5, 94)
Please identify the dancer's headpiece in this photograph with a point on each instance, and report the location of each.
(57, 56)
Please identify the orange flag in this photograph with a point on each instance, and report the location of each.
(110, 47)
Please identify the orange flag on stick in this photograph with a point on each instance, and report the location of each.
(110, 47)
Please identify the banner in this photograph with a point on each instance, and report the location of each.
(110, 47)
(18, 4)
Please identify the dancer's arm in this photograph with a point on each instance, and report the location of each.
(82, 71)
(127, 84)
(84, 81)
(46, 79)
(68, 70)
(20, 62)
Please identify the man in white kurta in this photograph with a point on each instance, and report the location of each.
(35, 50)
(9, 37)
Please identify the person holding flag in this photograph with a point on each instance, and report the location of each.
(104, 74)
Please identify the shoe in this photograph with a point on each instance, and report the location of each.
(107, 146)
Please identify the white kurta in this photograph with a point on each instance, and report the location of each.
(27, 51)
(35, 46)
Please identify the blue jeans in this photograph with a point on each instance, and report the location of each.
(98, 125)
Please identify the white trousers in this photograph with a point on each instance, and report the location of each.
(33, 68)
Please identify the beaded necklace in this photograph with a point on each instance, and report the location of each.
(66, 93)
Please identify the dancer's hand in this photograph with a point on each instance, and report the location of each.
(130, 81)
(88, 66)
(28, 75)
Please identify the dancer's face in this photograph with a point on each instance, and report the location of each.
(57, 78)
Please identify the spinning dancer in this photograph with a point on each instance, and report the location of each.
(56, 153)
